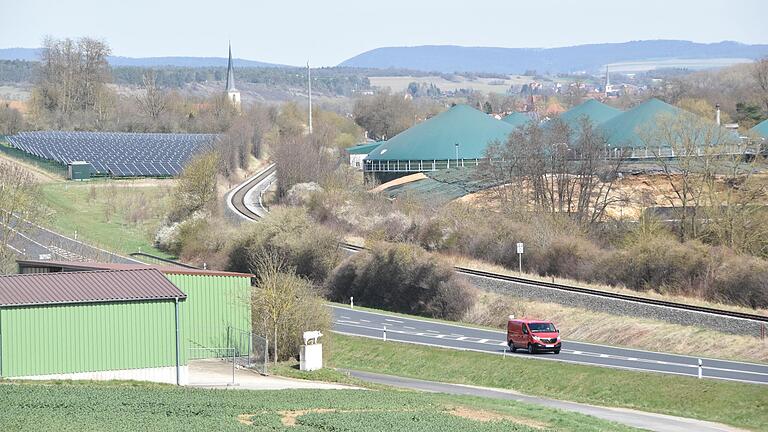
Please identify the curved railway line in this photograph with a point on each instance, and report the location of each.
(237, 197)
(238, 202)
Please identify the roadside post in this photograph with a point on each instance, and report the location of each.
(385, 332)
(520, 257)
(351, 302)
(700, 370)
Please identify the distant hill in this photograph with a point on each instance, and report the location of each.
(588, 58)
(34, 54)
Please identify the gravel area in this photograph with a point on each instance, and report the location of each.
(616, 306)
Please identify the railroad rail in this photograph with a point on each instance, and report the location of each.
(239, 195)
(237, 199)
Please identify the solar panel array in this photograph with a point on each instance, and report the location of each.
(116, 153)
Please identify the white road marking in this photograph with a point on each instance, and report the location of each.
(391, 320)
(345, 317)
(433, 331)
(578, 352)
(364, 320)
(482, 341)
(409, 328)
(462, 338)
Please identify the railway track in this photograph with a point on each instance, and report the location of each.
(238, 198)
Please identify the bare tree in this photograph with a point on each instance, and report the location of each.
(384, 115)
(550, 170)
(760, 73)
(152, 101)
(284, 305)
(19, 206)
(693, 144)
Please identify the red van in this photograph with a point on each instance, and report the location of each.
(533, 336)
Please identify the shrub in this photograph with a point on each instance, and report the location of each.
(284, 306)
(741, 280)
(401, 278)
(309, 248)
(661, 264)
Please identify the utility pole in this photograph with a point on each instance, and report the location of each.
(309, 92)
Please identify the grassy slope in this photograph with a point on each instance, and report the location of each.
(119, 216)
(737, 404)
(129, 407)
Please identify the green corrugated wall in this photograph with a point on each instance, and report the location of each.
(213, 303)
(42, 340)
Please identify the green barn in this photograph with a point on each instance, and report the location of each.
(109, 336)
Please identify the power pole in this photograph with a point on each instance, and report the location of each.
(309, 91)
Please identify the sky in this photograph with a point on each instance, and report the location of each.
(327, 32)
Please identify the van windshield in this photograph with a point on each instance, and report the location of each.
(542, 327)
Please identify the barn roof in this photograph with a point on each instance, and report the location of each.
(596, 111)
(761, 129)
(67, 266)
(437, 137)
(86, 287)
(517, 119)
(622, 130)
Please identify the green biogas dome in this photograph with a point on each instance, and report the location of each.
(456, 137)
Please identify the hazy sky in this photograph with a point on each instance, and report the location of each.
(330, 31)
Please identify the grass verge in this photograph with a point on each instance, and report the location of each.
(117, 215)
(737, 404)
(123, 407)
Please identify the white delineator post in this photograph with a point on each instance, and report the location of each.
(700, 370)
(520, 257)
(351, 302)
(385, 333)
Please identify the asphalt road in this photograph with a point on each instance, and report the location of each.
(412, 330)
(638, 419)
(35, 242)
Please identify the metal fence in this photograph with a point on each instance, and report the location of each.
(251, 351)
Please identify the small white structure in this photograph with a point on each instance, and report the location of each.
(359, 152)
(311, 353)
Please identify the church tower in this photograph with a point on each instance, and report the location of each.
(233, 95)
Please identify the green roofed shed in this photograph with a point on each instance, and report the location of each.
(761, 129)
(436, 138)
(517, 119)
(363, 148)
(596, 111)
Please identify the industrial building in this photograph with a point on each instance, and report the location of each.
(61, 320)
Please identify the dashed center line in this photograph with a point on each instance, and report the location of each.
(391, 320)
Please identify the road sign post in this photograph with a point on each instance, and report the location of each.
(520, 257)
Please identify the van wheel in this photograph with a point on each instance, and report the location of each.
(557, 351)
(530, 349)
(512, 346)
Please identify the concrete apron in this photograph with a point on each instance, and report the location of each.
(629, 417)
(216, 373)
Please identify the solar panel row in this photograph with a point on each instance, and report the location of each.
(116, 153)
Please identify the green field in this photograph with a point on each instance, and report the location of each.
(132, 407)
(738, 404)
(118, 215)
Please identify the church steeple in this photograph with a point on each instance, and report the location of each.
(230, 72)
(233, 95)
